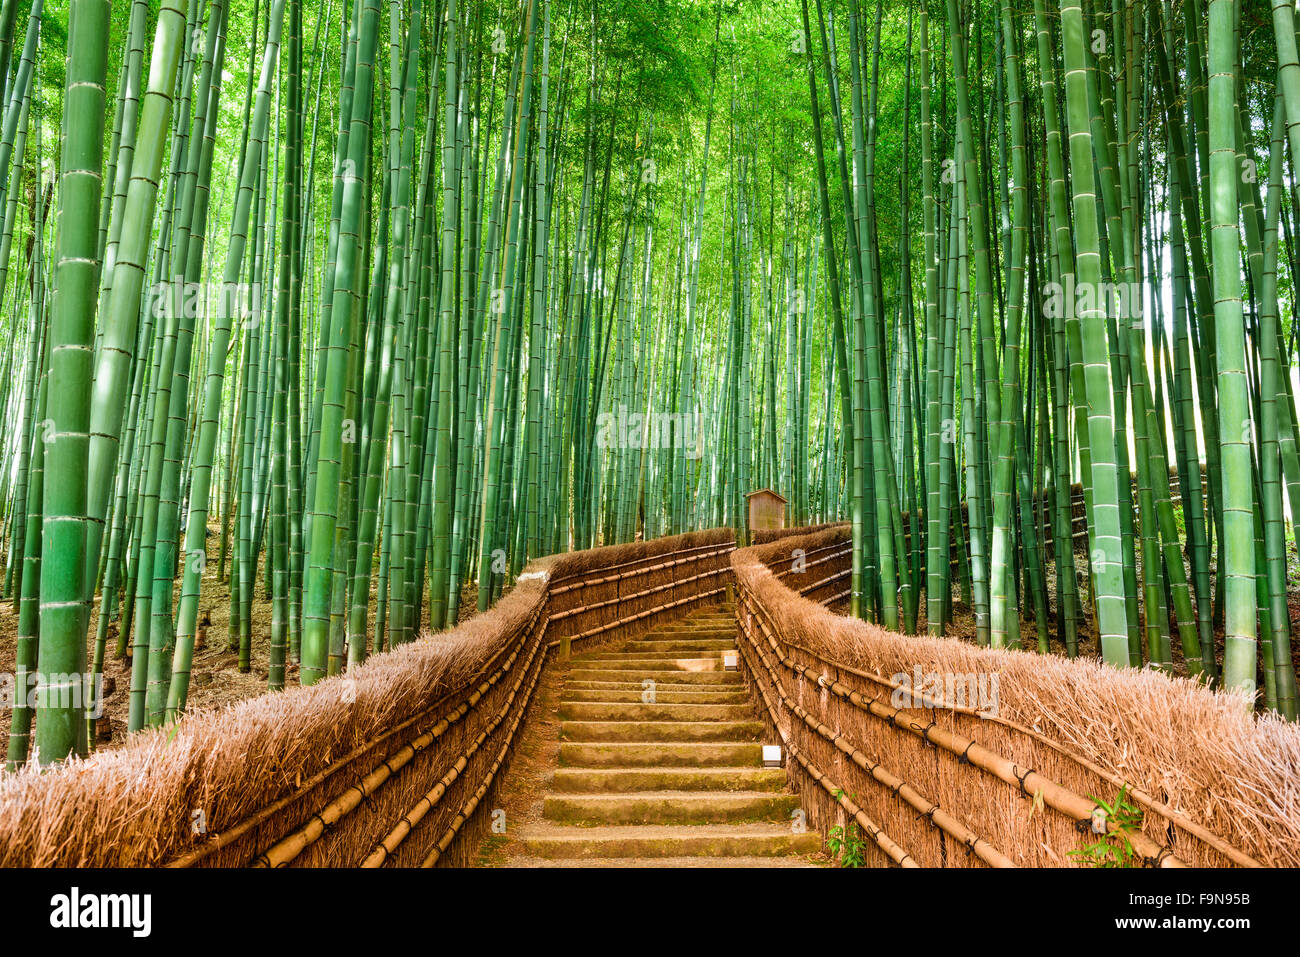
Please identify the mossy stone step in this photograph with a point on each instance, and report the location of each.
(623, 661)
(651, 731)
(649, 645)
(659, 754)
(618, 780)
(596, 671)
(669, 807)
(652, 711)
(719, 840)
(635, 693)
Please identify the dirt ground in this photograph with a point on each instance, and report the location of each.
(215, 679)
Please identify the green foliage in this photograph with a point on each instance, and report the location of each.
(847, 845)
(1114, 849)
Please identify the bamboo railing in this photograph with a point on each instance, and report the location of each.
(936, 783)
(393, 763)
(396, 762)
(418, 796)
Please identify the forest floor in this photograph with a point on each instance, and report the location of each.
(216, 680)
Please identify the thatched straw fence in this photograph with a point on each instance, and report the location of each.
(394, 763)
(938, 783)
(763, 536)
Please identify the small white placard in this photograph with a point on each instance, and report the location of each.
(771, 755)
(731, 661)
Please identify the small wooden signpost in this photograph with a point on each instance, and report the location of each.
(766, 510)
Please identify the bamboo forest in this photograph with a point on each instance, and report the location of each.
(609, 430)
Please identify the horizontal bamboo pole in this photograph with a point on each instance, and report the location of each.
(891, 848)
(399, 832)
(1029, 781)
(288, 848)
(927, 808)
(468, 809)
(841, 551)
(579, 580)
(828, 580)
(1175, 817)
(619, 599)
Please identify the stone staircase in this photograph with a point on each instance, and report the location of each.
(660, 762)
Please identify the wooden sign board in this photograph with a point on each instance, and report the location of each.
(766, 510)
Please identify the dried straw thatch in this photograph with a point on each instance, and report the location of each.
(136, 806)
(1217, 784)
(764, 536)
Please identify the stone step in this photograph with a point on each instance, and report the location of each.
(688, 634)
(624, 682)
(657, 711)
(637, 653)
(678, 754)
(728, 695)
(620, 780)
(651, 645)
(673, 782)
(721, 624)
(669, 807)
(597, 672)
(660, 841)
(622, 661)
(654, 731)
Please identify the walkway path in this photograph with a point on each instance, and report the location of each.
(657, 762)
